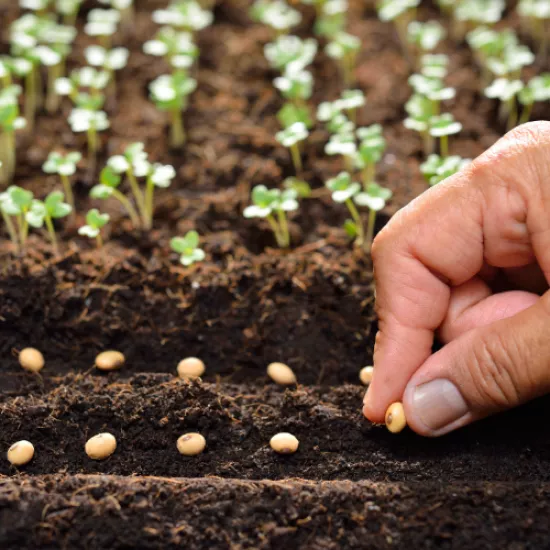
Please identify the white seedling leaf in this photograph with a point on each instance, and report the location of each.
(163, 175)
(155, 47)
(64, 86)
(95, 55)
(254, 211)
(119, 164)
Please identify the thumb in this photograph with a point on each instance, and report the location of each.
(486, 370)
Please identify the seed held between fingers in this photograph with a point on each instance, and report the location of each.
(395, 418)
(21, 453)
(284, 443)
(281, 374)
(31, 359)
(365, 375)
(191, 368)
(101, 446)
(110, 360)
(191, 444)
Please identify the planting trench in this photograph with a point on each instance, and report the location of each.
(350, 484)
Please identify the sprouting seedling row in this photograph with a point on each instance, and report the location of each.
(175, 41)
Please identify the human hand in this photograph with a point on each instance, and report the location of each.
(434, 265)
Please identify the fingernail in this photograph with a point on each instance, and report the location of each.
(438, 403)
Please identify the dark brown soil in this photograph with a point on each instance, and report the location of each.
(245, 306)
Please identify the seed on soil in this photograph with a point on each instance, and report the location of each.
(284, 443)
(281, 374)
(21, 453)
(395, 418)
(31, 359)
(191, 444)
(109, 360)
(365, 375)
(101, 446)
(190, 368)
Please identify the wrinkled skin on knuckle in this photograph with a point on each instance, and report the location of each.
(492, 373)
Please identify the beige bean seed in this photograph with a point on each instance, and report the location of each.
(101, 446)
(21, 453)
(190, 368)
(395, 418)
(365, 375)
(281, 374)
(31, 359)
(284, 443)
(191, 444)
(109, 360)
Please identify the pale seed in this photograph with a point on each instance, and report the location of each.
(191, 444)
(21, 453)
(109, 360)
(395, 418)
(190, 368)
(100, 446)
(365, 375)
(284, 443)
(31, 359)
(281, 374)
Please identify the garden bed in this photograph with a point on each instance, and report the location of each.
(351, 484)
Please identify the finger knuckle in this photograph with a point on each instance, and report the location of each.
(493, 372)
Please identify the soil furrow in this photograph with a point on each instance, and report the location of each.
(147, 413)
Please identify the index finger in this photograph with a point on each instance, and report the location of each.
(434, 242)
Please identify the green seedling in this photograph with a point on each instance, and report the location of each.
(506, 91)
(134, 164)
(344, 144)
(443, 126)
(350, 102)
(290, 53)
(276, 14)
(301, 187)
(336, 121)
(91, 122)
(43, 213)
(188, 248)
(401, 13)
(177, 47)
(125, 7)
(291, 137)
(15, 203)
(331, 18)
(511, 61)
(186, 15)
(535, 16)
(343, 190)
(109, 181)
(69, 10)
(374, 198)
(425, 37)
(170, 93)
(65, 167)
(10, 122)
(420, 110)
(371, 148)
(434, 65)
(39, 6)
(107, 61)
(469, 14)
(160, 175)
(537, 90)
(81, 80)
(95, 221)
(272, 205)
(432, 88)
(344, 48)
(102, 24)
(436, 168)
(297, 87)
(290, 114)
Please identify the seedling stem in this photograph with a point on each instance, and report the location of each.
(358, 222)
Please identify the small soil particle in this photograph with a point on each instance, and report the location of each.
(284, 443)
(365, 375)
(31, 359)
(395, 418)
(110, 360)
(101, 446)
(191, 368)
(281, 374)
(191, 444)
(21, 453)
